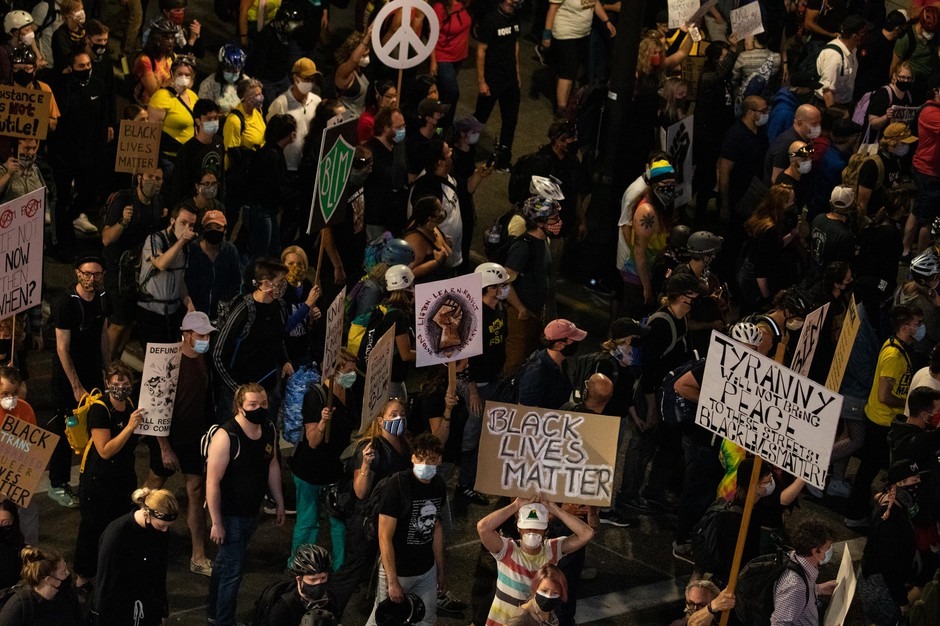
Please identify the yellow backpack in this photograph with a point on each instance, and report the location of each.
(76, 425)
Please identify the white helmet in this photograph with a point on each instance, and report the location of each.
(493, 274)
(546, 187)
(925, 266)
(399, 277)
(16, 20)
(747, 333)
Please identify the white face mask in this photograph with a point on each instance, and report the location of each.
(8, 402)
(804, 167)
(29, 38)
(762, 120)
(827, 557)
(182, 82)
(503, 292)
(304, 86)
(766, 490)
(472, 138)
(531, 540)
(901, 149)
(815, 131)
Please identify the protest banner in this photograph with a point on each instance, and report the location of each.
(905, 114)
(378, 377)
(21, 232)
(681, 12)
(138, 147)
(337, 148)
(677, 141)
(449, 319)
(24, 112)
(769, 410)
(158, 388)
(334, 334)
(845, 591)
(840, 359)
(565, 456)
(745, 21)
(809, 339)
(25, 451)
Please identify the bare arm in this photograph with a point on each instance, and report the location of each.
(362, 475)
(582, 532)
(63, 340)
(106, 445)
(487, 527)
(809, 21)
(403, 343)
(387, 526)
(789, 495)
(216, 464)
(885, 385)
(687, 387)
(155, 114)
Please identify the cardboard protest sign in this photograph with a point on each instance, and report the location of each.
(24, 112)
(25, 450)
(768, 409)
(158, 388)
(378, 377)
(337, 149)
(809, 339)
(845, 591)
(449, 319)
(905, 114)
(334, 334)
(138, 147)
(677, 141)
(681, 11)
(565, 456)
(745, 21)
(21, 230)
(840, 359)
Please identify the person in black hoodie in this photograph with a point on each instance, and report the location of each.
(11, 542)
(270, 193)
(44, 596)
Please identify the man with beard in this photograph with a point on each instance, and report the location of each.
(385, 188)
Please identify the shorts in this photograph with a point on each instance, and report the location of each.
(928, 198)
(568, 55)
(190, 458)
(880, 608)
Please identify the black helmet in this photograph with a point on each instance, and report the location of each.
(935, 229)
(310, 559)
(23, 55)
(704, 243)
(406, 613)
(290, 11)
(679, 237)
(164, 26)
(797, 302)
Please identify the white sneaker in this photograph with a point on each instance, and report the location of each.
(839, 488)
(83, 225)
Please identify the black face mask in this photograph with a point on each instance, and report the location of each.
(257, 416)
(546, 604)
(99, 51)
(314, 594)
(357, 178)
(23, 77)
(571, 349)
(903, 85)
(5, 533)
(214, 237)
(81, 76)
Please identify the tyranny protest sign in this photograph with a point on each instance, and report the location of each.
(565, 456)
(768, 409)
(840, 359)
(337, 149)
(21, 250)
(449, 319)
(138, 147)
(378, 377)
(677, 140)
(334, 334)
(809, 339)
(25, 450)
(158, 388)
(24, 112)
(745, 21)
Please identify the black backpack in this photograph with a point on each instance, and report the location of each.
(754, 594)
(26, 599)
(269, 597)
(705, 537)
(370, 510)
(676, 409)
(507, 389)
(497, 242)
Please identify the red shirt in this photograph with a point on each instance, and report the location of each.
(455, 32)
(927, 155)
(22, 411)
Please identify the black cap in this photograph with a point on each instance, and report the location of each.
(88, 258)
(684, 283)
(902, 469)
(852, 24)
(895, 19)
(842, 128)
(628, 327)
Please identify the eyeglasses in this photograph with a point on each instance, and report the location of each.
(695, 606)
(91, 274)
(802, 153)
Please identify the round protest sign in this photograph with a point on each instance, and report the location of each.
(397, 51)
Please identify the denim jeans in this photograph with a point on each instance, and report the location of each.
(424, 586)
(229, 567)
(449, 89)
(307, 526)
(264, 237)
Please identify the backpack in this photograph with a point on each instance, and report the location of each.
(338, 498)
(76, 425)
(370, 510)
(808, 64)
(507, 389)
(364, 327)
(674, 408)
(860, 114)
(498, 241)
(26, 599)
(269, 597)
(662, 315)
(303, 380)
(754, 594)
(705, 537)
(520, 178)
(854, 166)
(206, 439)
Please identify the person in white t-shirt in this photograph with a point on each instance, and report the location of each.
(300, 103)
(927, 376)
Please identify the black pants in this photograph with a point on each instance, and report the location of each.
(360, 558)
(101, 501)
(703, 473)
(159, 328)
(873, 456)
(70, 203)
(508, 97)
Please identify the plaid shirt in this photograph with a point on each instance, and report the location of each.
(790, 605)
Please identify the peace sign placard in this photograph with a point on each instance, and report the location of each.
(396, 52)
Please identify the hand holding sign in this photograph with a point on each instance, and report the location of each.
(746, 21)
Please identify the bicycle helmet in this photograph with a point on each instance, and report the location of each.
(164, 26)
(23, 55)
(16, 20)
(537, 208)
(679, 237)
(310, 559)
(925, 267)
(747, 333)
(797, 302)
(546, 187)
(399, 277)
(704, 243)
(398, 252)
(290, 11)
(405, 613)
(232, 57)
(935, 230)
(493, 274)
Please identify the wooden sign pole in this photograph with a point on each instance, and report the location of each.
(316, 276)
(329, 406)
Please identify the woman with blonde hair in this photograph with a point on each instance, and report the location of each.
(676, 105)
(132, 562)
(301, 298)
(44, 596)
(549, 590)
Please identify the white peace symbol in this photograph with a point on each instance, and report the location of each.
(405, 39)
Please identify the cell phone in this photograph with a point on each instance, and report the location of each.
(490, 162)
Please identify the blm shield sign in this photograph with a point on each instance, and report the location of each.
(337, 149)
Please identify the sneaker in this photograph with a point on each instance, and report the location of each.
(449, 604)
(83, 225)
(640, 505)
(683, 552)
(203, 569)
(541, 54)
(858, 522)
(270, 507)
(839, 488)
(473, 497)
(614, 518)
(503, 159)
(64, 496)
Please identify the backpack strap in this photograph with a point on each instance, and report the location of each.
(672, 328)
(241, 119)
(832, 46)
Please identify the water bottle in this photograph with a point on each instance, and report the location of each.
(71, 421)
(493, 235)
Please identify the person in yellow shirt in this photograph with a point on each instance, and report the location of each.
(889, 390)
(242, 134)
(172, 108)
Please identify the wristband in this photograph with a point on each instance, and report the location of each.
(709, 607)
(547, 33)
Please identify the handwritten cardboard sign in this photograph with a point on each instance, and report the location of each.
(158, 388)
(680, 11)
(565, 456)
(21, 226)
(138, 148)
(905, 114)
(334, 334)
(745, 21)
(24, 112)
(449, 319)
(378, 377)
(25, 451)
(809, 339)
(840, 359)
(768, 409)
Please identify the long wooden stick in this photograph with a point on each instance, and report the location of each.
(316, 276)
(329, 406)
(12, 339)
(452, 377)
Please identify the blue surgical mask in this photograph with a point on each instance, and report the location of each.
(827, 557)
(231, 77)
(211, 127)
(399, 135)
(920, 333)
(423, 471)
(201, 346)
(394, 427)
(346, 379)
